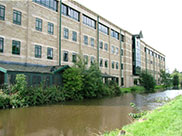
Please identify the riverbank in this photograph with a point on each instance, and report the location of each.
(164, 121)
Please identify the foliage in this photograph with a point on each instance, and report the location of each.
(165, 78)
(4, 101)
(147, 81)
(175, 81)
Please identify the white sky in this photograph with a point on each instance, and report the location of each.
(159, 20)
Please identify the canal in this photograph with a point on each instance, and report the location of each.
(85, 118)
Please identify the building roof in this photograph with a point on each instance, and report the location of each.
(31, 68)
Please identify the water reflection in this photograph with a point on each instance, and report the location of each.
(75, 118)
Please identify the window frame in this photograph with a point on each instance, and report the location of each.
(66, 33)
(74, 57)
(38, 24)
(65, 53)
(17, 16)
(74, 36)
(50, 28)
(50, 56)
(18, 45)
(86, 59)
(92, 42)
(85, 38)
(38, 51)
(2, 9)
(2, 44)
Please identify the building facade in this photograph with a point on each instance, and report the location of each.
(44, 33)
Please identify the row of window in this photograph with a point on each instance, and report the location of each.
(38, 26)
(51, 4)
(88, 21)
(66, 34)
(154, 54)
(70, 12)
(114, 34)
(103, 28)
(16, 45)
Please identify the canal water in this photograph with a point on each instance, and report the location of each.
(85, 118)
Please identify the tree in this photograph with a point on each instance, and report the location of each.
(165, 78)
(175, 81)
(147, 81)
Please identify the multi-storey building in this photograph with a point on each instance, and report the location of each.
(41, 37)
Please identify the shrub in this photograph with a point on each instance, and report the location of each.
(4, 101)
(147, 81)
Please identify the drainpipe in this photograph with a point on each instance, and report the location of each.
(60, 32)
(120, 56)
(98, 40)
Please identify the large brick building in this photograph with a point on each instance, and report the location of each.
(36, 35)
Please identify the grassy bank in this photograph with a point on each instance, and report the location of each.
(164, 121)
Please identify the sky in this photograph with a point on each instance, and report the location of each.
(159, 20)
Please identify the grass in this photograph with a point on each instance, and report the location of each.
(164, 121)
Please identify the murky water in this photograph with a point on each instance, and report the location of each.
(77, 118)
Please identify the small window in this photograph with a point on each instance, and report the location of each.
(50, 28)
(85, 40)
(74, 57)
(2, 12)
(38, 51)
(101, 62)
(16, 17)
(106, 47)
(92, 42)
(112, 49)
(106, 63)
(86, 59)
(1, 44)
(112, 64)
(122, 66)
(101, 45)
(92, 60)
(50, 53)
(117, 65)
(74, 36)
(117, 50)
(66, 33)
(65, 56)
(122, 52)
(16, 47)
(38, 25)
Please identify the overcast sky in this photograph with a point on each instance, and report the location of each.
(159, 20)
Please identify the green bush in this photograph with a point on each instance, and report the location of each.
(147, 81)
(4, 101)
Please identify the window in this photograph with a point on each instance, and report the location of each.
(51, 4)
(65, 56)
(50, 53)
(70, 12)
(92, 60)
(16, 17)
(66, 33)
(122, 52)
(38, 51)
(74, 57)
(106, 63)
(2, 12)
(85, 40)
(50, 28)
(117, 65)
(112, 49)
(1, 44)
(38, 25)
(89, 22)
(74, 36)
(117, 50)
(112, 64)
(103, 29)
(101, 45)
(16, 47)
(122, 66)
(114, 34)
(122, 38)
(86, 59)
(106, 46)
(92, 42)
(101, 62)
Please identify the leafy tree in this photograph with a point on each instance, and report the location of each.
(165, 78)
(175, 81)
(147, 81)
